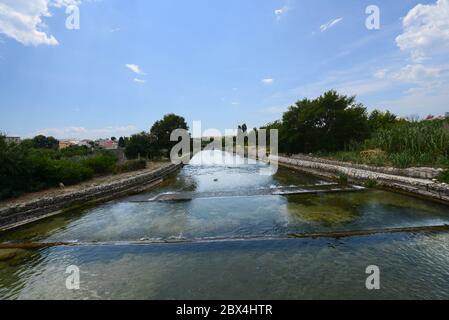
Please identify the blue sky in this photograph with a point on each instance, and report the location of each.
(223, 62)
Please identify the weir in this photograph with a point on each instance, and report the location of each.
(272, 191)
(317, 235)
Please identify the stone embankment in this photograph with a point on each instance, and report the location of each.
(21, 213)
(418, 181)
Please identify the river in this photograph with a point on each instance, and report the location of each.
(229, 240)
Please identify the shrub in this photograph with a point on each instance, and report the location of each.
(370, 183)
(444, 177)
(342, 179)
(67, 172)
(75, 151)
(101, 163)
(129, 166)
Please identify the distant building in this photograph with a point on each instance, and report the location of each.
(107, 144)
(434, 118)
(85, 143)
(12, 139)
(66, 143)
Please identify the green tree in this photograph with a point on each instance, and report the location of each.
(328, 123)
(43, 142)
(121, 142)
(381, 120)
(142, 144)
(162, 129)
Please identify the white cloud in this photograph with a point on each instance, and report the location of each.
(426, 31)
(280, 12)
(330, 24)
(75, 132)
(65, 3)
(139, 80)
(267, 81)
(235, 103)
(417, 72)
(22, 20)
(135, 68)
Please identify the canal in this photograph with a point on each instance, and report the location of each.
(228, 238)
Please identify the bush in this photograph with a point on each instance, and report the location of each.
(24, 168)
(129, 166)
(67, 172)
(444, 177)
(101, 163)
(370, 183)
(28, 170)
(75, 151)
(342, 179)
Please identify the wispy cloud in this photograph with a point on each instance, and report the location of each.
(76, 132)
(267, 81)
(330, 24)
(139, 80)
(135, 68)
(281, 12)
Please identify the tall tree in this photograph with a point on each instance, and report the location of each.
(328, 123)
(162, 129)
(141, 144)
(121, 142)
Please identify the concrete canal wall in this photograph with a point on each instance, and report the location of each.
(416, 181)
(36, 209)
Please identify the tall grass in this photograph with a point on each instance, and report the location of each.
(418, 143)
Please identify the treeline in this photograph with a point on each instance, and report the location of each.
(338, 127)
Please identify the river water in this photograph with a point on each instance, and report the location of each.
(233, 242)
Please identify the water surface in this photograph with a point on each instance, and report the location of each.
(414, 266)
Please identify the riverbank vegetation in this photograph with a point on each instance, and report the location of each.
(38, 163)
(335, 126)
(27, 168)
